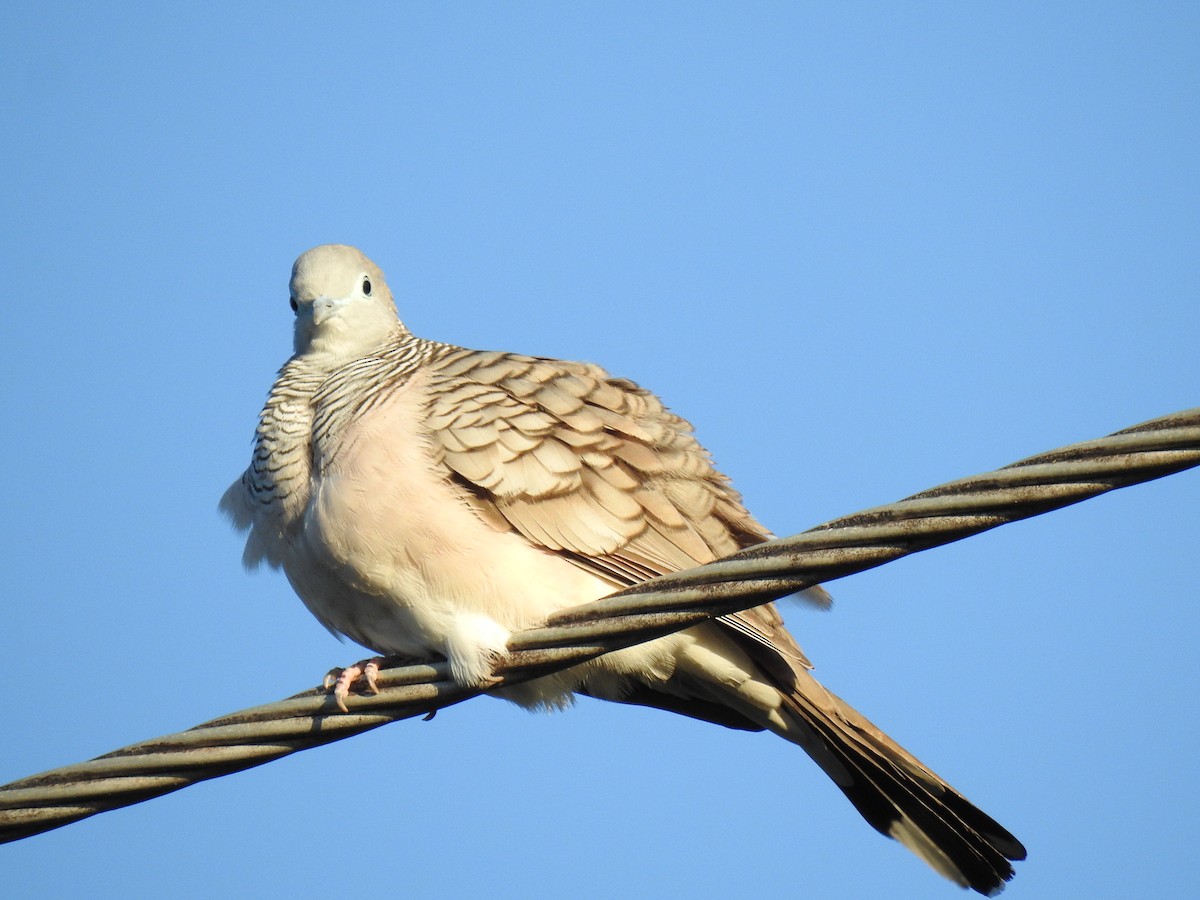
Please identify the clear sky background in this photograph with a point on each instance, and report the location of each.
(866, 247)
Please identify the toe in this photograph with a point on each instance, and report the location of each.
(370, 674)
(341, 687)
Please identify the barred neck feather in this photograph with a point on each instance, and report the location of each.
(282, 464)
(309, 405)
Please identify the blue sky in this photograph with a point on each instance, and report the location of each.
(865, 247)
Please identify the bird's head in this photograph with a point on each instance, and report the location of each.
(343, 307)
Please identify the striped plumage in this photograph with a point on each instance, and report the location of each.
(428, 500)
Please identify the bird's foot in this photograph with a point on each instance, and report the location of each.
(477, 671)
(475, 646)
(363, 673)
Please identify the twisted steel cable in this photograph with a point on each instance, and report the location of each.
(660, 606)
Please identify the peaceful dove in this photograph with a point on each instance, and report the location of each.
(426, 500)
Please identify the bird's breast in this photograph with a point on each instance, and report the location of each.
(386, 520)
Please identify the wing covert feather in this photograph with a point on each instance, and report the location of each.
(592, 467)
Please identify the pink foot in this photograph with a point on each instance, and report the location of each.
(342, 680)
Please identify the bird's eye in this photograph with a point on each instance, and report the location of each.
(367, 286)
(295, 305)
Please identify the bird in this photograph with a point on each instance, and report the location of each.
(426, 500)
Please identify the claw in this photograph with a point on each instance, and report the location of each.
(490, 681)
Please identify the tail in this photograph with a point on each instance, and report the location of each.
(894, 792)
(750, 683)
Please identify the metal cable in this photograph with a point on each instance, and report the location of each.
(660, 606)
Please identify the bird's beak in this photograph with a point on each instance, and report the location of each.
(323, 308)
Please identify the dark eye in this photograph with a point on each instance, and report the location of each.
(295, 305)
(367, 286)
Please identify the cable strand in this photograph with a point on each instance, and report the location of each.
(660, 606)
